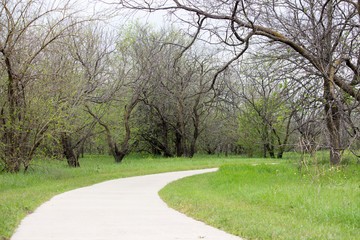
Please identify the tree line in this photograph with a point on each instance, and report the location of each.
(247, 78)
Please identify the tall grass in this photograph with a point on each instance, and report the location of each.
(273, 201)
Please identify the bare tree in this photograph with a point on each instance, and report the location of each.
(322, 33)
(88, 50)
(134, 61)
(29, 29)
(179, 98)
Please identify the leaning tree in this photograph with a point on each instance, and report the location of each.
(324, 34)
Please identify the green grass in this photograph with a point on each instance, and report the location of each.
(273, 201)
(263, 202)
(21, 193)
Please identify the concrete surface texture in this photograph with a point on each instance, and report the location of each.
(122, 209)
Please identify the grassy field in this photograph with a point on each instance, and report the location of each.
(273, 201)
(256, 202)
(21, 193)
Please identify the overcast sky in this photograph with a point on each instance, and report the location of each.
(156, 19)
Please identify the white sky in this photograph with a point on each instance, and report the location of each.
(156, 19)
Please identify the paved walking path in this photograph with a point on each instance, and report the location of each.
(122, 209)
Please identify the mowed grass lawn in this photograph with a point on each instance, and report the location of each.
(273, 201)
(21, 193)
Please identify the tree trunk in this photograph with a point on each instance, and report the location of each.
(10, 139)
(156, 151)
(282, 145)
(333, 118)
(157, 146)
(210, 149)
(181, 128)
(195, 136)
(250, 152)
(18, 146)
(264, 150)
(270, 149)
(331, 106)
(118, 155)
(71, 157)
(333, 126)
(166, 150)
(196, 120)
(178, 144)
(125, 144)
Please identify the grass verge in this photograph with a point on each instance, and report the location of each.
(273, 201)
(21, 193)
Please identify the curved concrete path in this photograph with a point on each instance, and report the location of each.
(122, 209)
